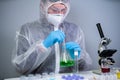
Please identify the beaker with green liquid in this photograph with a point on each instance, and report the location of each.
(65, 59)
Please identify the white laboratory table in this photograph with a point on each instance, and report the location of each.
(88, 75)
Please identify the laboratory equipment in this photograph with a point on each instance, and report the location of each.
(65, 58)
(86, 75)
(72, 77)
(57, 54)
(105, 54)
(118, 74)
(116, 70)
(76, 61)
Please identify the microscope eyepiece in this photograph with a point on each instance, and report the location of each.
(100, 30)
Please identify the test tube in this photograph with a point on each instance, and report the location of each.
(76, 61)
(64, 50)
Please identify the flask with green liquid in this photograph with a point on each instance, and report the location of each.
(65, 58)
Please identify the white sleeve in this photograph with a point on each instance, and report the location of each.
(27, 56)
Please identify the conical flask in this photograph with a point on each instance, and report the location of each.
(65, 58)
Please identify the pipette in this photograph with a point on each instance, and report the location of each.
(57, 55)
(64, 52)
(63, 57)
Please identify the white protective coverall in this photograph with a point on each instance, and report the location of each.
(30, 55)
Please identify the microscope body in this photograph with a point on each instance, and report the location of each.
(105, 54)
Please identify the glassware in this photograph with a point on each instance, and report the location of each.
(65, 58)
(105, 66)
(118, 74)
(76, 61)
(117, 71)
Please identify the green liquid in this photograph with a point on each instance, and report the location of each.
(67, 63)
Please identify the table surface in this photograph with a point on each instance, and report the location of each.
(88, 75)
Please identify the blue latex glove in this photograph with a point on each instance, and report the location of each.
(53, 37)
(71, 47)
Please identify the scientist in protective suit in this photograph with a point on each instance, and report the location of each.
(35, 42)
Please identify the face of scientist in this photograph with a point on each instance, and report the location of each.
(57, 8)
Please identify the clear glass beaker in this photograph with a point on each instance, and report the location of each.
(105, 68)
(65, 58)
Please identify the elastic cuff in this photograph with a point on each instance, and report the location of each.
(41, 47)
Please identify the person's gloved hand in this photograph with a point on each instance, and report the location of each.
(53, 37)
(71, 47)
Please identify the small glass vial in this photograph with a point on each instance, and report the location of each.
(118, 73)
(104, 66)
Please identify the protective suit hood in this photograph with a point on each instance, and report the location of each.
(45, 4)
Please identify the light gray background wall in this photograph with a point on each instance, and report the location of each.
(85, 13)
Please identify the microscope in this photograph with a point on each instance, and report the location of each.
(104, 53)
